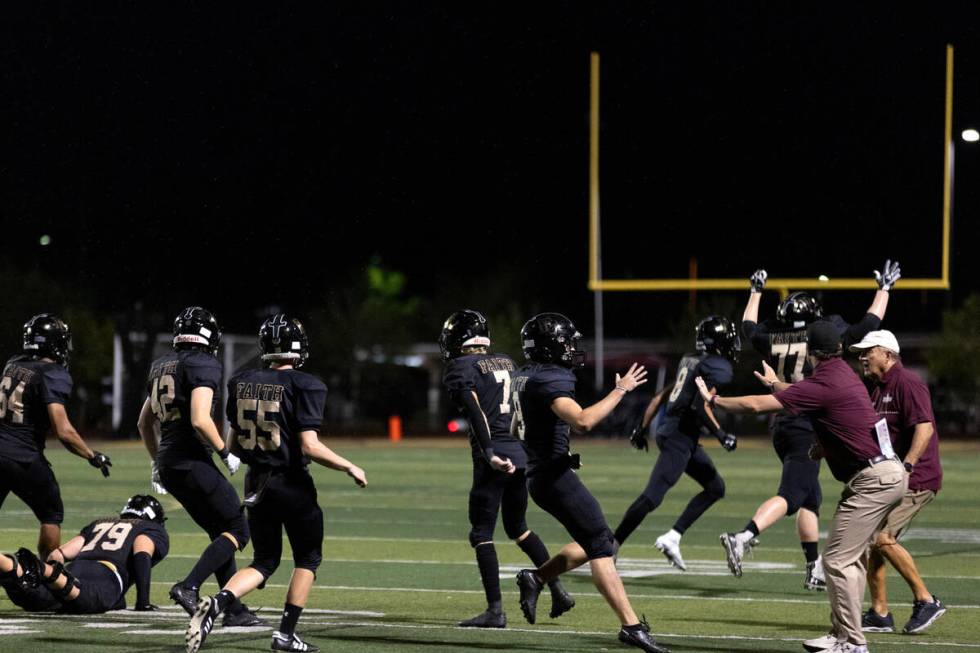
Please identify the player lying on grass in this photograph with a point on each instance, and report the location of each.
(91, 572)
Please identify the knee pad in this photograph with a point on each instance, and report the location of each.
(265, 566)
(645, 502)
(600, 546)
(309, 560)
(480, 536)
(238, 528)
(515, 528)
(716, 488)
(793, 501)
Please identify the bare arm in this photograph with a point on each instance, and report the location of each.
(768, 377)
(744, 404)
(201, 398)
(68, 551)
(879, 304)
(585, 419)
(66, 432)
(920, 440)
(147, 425)
(751, 313)
(322, 454)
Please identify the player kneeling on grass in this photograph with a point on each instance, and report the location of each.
(275, 414)
(107, 557)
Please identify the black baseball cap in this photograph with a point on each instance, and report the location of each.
(822, 336)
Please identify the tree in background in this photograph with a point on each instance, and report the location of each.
(954, 360)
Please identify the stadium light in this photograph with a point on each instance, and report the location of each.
(970, 135)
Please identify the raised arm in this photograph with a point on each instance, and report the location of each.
(585, 419)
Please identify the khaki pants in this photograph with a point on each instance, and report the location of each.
(864, 505)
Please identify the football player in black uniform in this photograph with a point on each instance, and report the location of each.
(677, 436)
(181, 390)
(34, 389)
(91, 572)
(543, 400)
(275, 415)
(783, 342)
(479, 384)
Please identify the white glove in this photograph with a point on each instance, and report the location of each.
(758, 281)
(888, 276)
(155, 483)
(232, 462)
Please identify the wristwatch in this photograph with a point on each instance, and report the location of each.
(908, 466)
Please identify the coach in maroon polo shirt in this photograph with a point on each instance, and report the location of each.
(902, 398)
(844, 422)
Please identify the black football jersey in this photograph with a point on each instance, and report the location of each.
(533, 389)
(171, 380)
(112, 540)
(489, 376)
(681, 414)
(27, 386)
(268, 409)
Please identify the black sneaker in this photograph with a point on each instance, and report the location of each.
(530, 588)
(185, 597)
(201, 624)
(923, 614)
(30, 567)
(485, 620)
(561, 601)
(243, 617)
(283, 642)
(872, 622)
(640, 638)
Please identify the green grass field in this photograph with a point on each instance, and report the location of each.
(398, 572)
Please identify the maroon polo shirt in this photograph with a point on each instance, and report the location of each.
(843, 418)
(903, 400)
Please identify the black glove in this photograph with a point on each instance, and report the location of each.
(728, 441)
(758, 280)
(101, 461)
(149, 607)
(638, 438)
(888, 276)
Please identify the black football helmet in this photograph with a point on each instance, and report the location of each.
(196, 327)
(552, 338)
(142, 506)
(799, 310)
(716, 334)
(47, 336)
(464, 328)
(283, 338)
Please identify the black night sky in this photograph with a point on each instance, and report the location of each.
(240, 155)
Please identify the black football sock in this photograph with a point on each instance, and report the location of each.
(534, 549)
(224, 598)
(290, 615)
(635, 514)
(223, 574)
(216, 555)
(486, 560)
(810, 551)
(752, 528)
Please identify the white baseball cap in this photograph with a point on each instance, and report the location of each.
(882, 338)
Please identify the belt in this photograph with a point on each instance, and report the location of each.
(880, 458)
(112, 568)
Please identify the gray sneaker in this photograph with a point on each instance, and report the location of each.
(923, 614)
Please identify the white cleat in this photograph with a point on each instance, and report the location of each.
(817, 644)
(672, 551)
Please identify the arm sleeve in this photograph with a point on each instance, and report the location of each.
(478, 422)
(557, 385)
(852, 333)
(310, 401)
(56, 386)
(161, 541)
(141, 577)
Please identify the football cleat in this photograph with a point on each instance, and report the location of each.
(815, 579)
(561, 601)
(824, 643)
(485, 620)
(733, 553)
(243, 618)
(924, 613)
(847, 647)
(185, 597)
(640, 638)
(872, 622)
(284, 642)
(530, 588)
(672, 550)
(201, 624)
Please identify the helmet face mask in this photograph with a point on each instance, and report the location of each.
(552, 338)
(717, 335)
(143, 506)
(465, 328)
(48, 336)
(283, 339)
(799, 310)
(196, 328)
